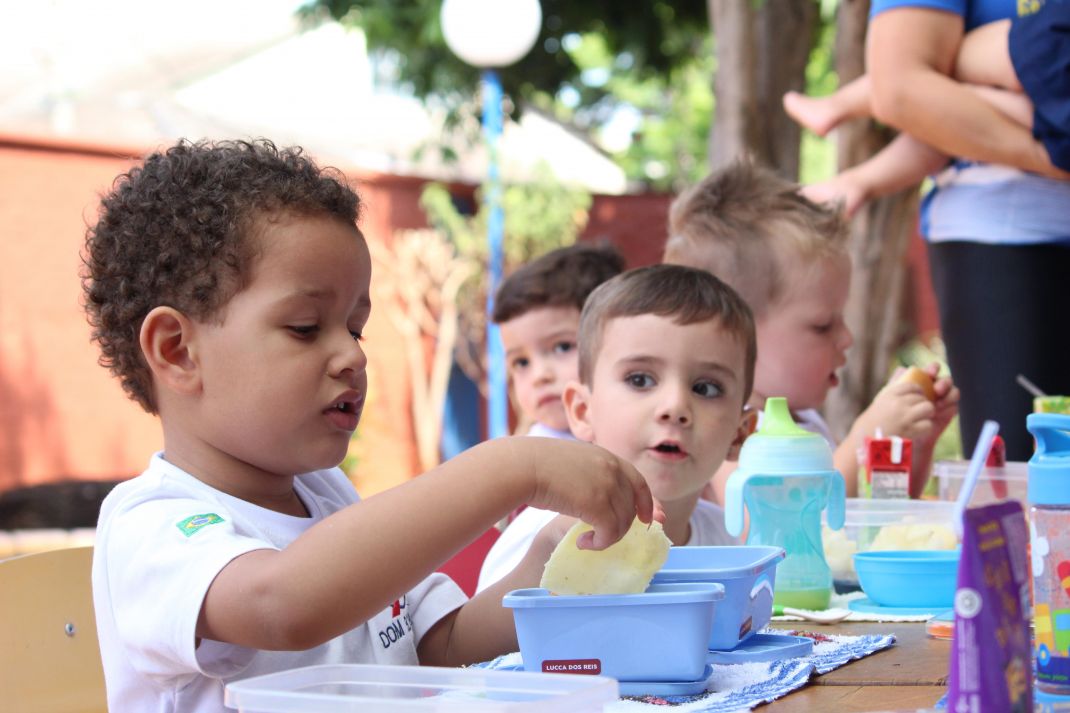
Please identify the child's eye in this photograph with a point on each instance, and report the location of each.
(639, 380)
(518, 364)
(564, 347)
(357, 336)
(823, 328)
(304, 330)
(707, 389)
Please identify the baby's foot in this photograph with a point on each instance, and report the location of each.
(818, 114)
(837, 190)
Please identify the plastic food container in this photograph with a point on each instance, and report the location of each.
(659, 635)
(887, 525)
(909, 578)
(416, 689)
(748, 574)
(994, 484)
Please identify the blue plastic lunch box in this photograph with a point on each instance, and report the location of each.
(748, 575)
(659, 635)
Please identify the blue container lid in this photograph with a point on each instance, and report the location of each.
(668, 593)
(764, 647)
(1049, 468)
(717, 562)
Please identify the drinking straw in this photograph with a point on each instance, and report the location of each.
(973, 471)
(1029, 386)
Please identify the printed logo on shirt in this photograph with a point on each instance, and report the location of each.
(399, 627)
(195, 522)
(1029, 7)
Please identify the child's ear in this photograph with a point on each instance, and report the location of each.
(577, 398)
(747, 423)
(166, 343)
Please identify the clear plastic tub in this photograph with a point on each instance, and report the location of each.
(748, 574)
(659, 635)
(887, 525)
(417, 689)
(994, 484)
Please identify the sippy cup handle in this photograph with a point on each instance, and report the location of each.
(733, 503)
(1052, 432)
(836, 502)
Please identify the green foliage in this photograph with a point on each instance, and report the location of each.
(817, 155)
(597, 65)
(411, 33)
(539, 216)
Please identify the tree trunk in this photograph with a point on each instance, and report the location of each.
(762, 51)
(879, 235)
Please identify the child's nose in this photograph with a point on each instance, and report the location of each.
(349, 357)
(543, 370)
(676, 408)
(846, 338)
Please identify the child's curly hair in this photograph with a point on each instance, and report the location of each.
(176, 231)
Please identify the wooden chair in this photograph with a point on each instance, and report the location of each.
(49, 659)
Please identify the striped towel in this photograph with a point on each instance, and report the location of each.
(735, 687)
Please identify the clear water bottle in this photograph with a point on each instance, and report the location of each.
(786, 478)
(1049, 518)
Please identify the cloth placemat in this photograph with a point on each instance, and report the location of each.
(735, 687)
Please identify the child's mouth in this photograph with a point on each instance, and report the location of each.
(344, 413)
(669, 450)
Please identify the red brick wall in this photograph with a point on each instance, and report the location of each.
(61, 414)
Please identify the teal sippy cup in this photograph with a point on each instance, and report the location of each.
(786, 478)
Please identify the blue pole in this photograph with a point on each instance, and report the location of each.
(497, 397)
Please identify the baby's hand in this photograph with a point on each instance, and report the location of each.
(899, 409)
(590, 483)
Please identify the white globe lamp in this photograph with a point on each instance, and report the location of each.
(491, 33)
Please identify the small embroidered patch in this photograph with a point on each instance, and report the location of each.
(191, 524)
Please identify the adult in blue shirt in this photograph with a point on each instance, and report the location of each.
(998, 231)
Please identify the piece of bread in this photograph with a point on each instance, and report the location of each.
(921, 378)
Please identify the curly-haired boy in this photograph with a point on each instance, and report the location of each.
(228, 287)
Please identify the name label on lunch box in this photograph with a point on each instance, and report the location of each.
(592, 667)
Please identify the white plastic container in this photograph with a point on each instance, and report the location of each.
(875, 524)
(994, 484)
(372, 688)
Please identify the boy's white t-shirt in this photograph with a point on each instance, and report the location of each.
(707, 528)
(538, 429)
(161, 540)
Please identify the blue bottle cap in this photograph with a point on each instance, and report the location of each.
(1049, 468)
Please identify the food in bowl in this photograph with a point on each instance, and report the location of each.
(876, 524)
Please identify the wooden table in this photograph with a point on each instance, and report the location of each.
(910, 675)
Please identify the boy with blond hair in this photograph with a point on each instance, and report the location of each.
(229, 289)
(787, 257)
(665, 368)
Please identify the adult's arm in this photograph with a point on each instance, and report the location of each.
(910, 53)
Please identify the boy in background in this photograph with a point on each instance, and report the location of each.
(537, 309)
(787, 257)
(665, 368)
(228, 287)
